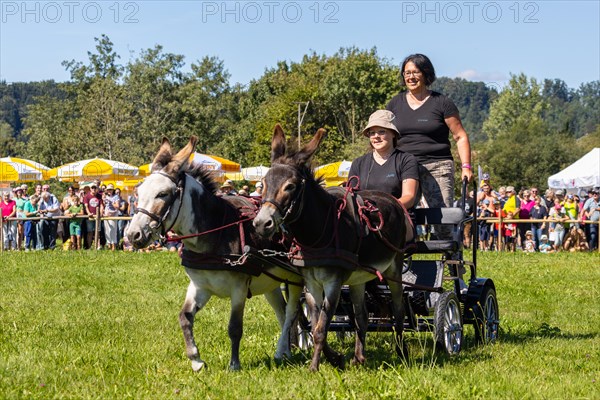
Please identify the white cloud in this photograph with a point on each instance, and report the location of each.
(473, 75)
(495, 80)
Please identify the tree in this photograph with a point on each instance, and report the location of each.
(527, 153)
(473, 100)
(520, 103)
(46, 125)
(151, 83)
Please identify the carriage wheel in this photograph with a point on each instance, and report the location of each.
(305, 339)
(448, 323)
(487, 317)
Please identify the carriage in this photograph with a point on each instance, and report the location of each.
(442, 291)
(417, 294)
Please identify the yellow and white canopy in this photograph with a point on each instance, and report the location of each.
(214, 163)
(14, 169)
(252, 174)
(95, 168)
(334, 173)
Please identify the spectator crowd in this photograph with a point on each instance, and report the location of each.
(550, 222)
(546, 222)
(34, 218)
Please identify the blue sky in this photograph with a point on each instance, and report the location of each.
(478, 40)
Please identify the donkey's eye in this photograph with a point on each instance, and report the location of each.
(290, 187)
(162, 195)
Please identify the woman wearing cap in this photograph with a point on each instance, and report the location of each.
(424, 121)
(386, 168)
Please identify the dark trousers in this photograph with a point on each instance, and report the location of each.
(49, 233)
(593, 237)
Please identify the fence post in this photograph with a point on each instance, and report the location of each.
(1, 232)
(97, 229)
(500, 246)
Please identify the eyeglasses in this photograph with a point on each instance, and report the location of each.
(411, 73)
(380, 132)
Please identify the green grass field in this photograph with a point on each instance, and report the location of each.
(104, 325)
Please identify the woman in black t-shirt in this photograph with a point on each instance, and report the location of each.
(425, 119)
(386, 168)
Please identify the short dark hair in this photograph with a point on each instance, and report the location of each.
(425, 66)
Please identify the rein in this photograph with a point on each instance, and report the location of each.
(180, 183)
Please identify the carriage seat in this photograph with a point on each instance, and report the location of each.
(451, 216)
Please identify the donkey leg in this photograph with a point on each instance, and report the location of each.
(314, 304)
(194, 301)
(332, 292)
(357, 295)
(236, 325)
(291, 312)
(397, 294)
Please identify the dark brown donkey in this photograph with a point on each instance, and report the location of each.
(331, 244)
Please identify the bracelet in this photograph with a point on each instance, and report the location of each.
(466, 165)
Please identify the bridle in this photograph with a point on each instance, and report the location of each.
(293, 212)
(180, 186)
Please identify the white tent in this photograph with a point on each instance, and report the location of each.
(582, 174)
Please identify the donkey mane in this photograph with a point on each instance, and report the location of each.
(204, 176)
(303, 169)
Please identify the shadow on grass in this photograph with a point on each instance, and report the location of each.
(380, 353)
(544, 330)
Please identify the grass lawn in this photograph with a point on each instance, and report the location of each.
(104, 325)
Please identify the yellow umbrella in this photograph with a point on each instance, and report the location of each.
(213, 163)
(21, 170)
(334, 170)
(334, 173)
(95, 168)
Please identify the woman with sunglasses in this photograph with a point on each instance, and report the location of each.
(424, 121)
(386, 168)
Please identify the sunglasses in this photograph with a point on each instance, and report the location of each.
(380, 132)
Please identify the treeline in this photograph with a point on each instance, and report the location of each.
(121, 111)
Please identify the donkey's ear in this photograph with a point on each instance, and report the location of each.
(278, 143)
(304, 155)
(163, 157)
(182, 159)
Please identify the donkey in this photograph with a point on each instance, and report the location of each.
(183, 199)
(332, 246)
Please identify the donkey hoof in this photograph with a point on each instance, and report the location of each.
(198, 365)
(358, 360)
(234, 366)
(402, 350)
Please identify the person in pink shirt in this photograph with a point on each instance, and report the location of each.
(8, 207)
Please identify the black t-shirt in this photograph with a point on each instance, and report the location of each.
(387, 177)
(423, 132)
